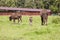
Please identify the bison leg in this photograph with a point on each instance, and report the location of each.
(42, 22)
(14, 20)
(46, 22)
(18, 20)
(21, 20)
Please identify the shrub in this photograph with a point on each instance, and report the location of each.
(56, 20)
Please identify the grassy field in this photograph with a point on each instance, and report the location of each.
(23, 31)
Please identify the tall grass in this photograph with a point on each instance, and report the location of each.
(23, 31)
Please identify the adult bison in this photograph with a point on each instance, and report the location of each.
(44, 17)
(15, 16)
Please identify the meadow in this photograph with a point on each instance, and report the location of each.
(23, 31)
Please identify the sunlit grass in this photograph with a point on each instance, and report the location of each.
(23, 31)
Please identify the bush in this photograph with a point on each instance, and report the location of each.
(56, 20)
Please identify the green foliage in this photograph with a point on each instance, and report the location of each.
(23, 31)
(56, 20)
(30, 4)
(54, 8)
(54, 5)
(20, 3)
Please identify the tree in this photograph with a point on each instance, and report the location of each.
(20, 3)
(54, 9)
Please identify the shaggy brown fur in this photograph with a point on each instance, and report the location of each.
(14, 17)
(44, 17)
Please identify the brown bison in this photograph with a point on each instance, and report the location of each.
(44, 17)
(15, 16)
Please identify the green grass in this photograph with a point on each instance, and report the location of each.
(23, 31)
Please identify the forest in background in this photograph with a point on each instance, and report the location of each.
(53, 5)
